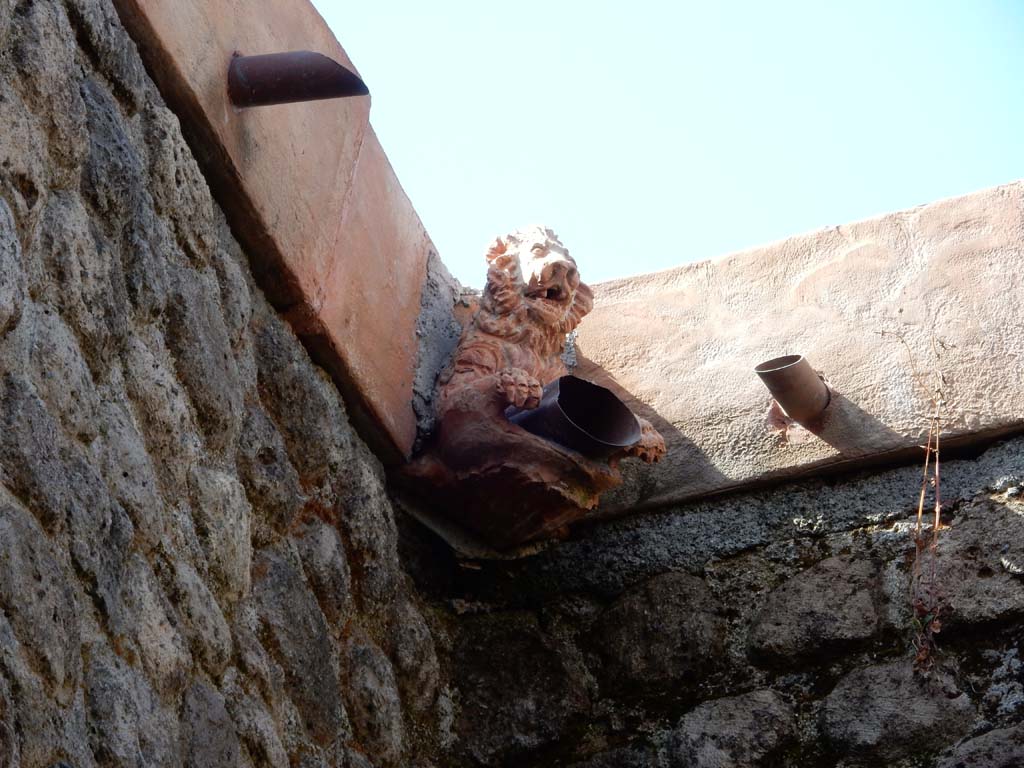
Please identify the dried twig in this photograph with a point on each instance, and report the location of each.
(925, 597)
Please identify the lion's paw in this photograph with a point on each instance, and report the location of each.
(519, 388)
(651, 446)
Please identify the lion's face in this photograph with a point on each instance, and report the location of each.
(533, 268)
(551, 280)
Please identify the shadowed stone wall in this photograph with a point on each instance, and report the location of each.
(765, 629)
(198, 562)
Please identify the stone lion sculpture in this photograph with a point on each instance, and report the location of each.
(514, 345)
(503, 482)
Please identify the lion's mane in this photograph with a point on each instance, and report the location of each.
(509, 322)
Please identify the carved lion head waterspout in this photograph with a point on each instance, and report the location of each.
(491, 475)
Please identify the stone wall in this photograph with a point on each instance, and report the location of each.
(198, 562)
(764, 629)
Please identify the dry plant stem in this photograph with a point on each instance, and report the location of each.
(910, 359)
(924, 589)
(924, 481)
(918, 540)
(938, 502)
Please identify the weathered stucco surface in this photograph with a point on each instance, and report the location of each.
(293, 226)
(681, 344)
(309, 193)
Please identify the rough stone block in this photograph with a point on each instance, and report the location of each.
(110, 48)
(24, 174)
(326, 568)
(999, 748)
(297, 635)
(665, 633)
(829, 608)
(367, 522)
(13, 285)
(64, 490)
(42, 48)
(198, 339)
(301, 400)
(887, 712)
(128, 724)
(74, 270)
(270, 480)
(61, 376)
(223, 519)
(256, 727)
(177, 185)
(120, 455)
(415, 657)
(162, 408)
(374, 701)
(209, 736)
(6, 9)
(737, 731)
(253, 659)
(505, 665)
(45, 730)
(144, 625)
(981, 564)
(30, 448)
(203, 623)
(113, 179)
(38, 600)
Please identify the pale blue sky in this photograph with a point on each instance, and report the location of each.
(651, 134)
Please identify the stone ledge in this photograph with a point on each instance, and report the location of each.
(331, 236)
(679, 346)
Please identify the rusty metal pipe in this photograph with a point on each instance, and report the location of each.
(580, 415)
(795, 386)
(283, 78)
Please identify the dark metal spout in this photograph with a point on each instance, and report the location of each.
(582, 416)
(283, 78)
(795, 386)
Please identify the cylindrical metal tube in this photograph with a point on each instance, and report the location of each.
(580, 415)
(282, 78)
(795, 386)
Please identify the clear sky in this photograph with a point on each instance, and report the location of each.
(651, 134)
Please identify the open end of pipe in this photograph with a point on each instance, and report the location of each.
(580, 415)
(289, 77)
(778, 363)
(597, 412)
(796, 387)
